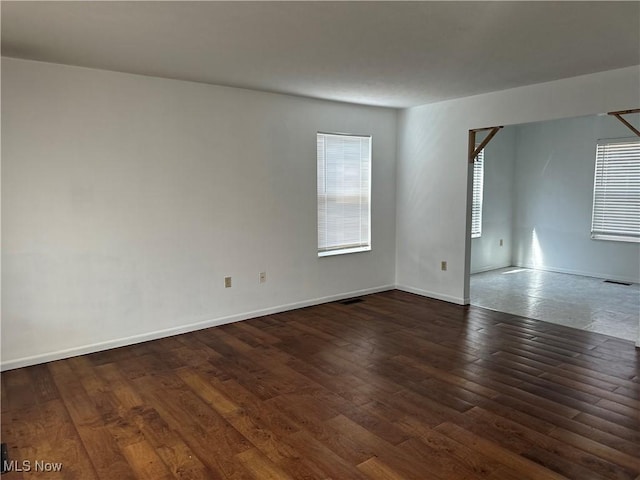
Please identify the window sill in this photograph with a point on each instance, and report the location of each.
(615, 238)
(342, 251)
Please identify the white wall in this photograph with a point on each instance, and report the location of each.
(497, 204)
(554, 174)
(126, 200)
(433, 171)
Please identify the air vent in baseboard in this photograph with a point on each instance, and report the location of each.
(618, 283)
(351, 301)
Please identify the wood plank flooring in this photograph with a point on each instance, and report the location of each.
(396, 386)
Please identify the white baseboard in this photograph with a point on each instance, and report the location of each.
(131, 340)
(489, 268)
(168, 332)
(603, 276)
(437, 296)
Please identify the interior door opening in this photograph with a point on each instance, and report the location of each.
(532, 248)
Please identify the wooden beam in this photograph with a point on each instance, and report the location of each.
(473, 151)
(629, 126)
(619, 114)
(472, 145)
(482, 129)
(625, 112)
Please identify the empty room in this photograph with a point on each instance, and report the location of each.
(240, 240)
(555, 222)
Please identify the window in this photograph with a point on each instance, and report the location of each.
(344, 192)
(478, 186)
(616, 191)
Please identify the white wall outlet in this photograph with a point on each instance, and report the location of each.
(501, 242)
(443, 266)
(262, 277)
(227, 282)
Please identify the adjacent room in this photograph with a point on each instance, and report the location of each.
(550, 239)
(240, 240)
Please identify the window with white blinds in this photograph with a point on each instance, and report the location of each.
(616, 191)
(344, 194)
(478, 186)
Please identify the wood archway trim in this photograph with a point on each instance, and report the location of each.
(473, 150)
(619, 116)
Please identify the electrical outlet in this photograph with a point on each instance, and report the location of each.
(500, 242)
(443, 266)
(262, 277)
(227, 282)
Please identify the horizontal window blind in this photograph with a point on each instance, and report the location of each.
(616, 192)
(344, 191)
(478, 187)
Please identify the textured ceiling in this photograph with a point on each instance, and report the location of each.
(395, 54)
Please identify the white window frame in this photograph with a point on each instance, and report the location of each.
(616, 190)
(329, 238)
(477, 195)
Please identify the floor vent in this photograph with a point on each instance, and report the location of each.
(351, 301)
(618, 283)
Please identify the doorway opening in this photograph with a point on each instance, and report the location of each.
(534, 244)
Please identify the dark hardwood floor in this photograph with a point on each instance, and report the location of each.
(397, 386)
